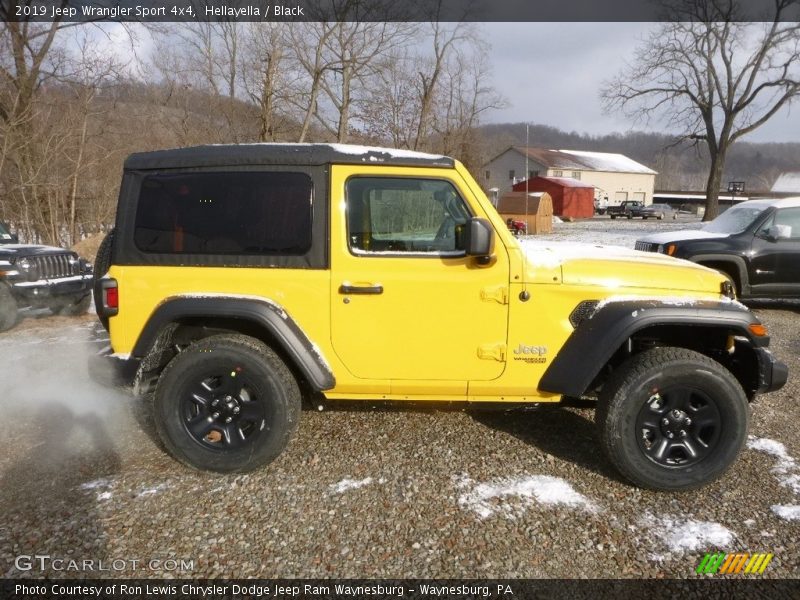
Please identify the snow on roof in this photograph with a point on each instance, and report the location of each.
(787, 183)
(584, 160)
(569, 182)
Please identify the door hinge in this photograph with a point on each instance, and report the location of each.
(498, 293)
(492, 352)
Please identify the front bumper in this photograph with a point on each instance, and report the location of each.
(36, 292)
(772, 373)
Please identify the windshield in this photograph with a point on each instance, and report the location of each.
(735, 220)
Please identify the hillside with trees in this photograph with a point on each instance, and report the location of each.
(70, 112)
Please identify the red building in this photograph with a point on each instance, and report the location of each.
(571, 198)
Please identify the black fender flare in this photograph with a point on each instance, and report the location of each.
(595, 340)
(736, 261)
(260, 311)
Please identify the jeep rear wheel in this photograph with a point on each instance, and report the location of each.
(672, 419)
(227, 403)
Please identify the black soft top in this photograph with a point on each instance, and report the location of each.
(236, 155)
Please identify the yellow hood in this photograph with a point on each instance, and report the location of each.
(615, 268)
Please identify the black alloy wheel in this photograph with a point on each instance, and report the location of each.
(672, 419)
(227, 403)
(679, 426)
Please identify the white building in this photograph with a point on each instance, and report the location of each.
(614, 176)
(787, 183)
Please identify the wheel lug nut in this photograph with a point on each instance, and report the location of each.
(228, 420)
(665, 421)
(215, 402)
(670, 435)
(236, 410)
(688, 421)
(683, 433)
(215, 415)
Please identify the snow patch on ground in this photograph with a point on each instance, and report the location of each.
(786, 468)
(510, 496)
(681, 534)
(104, 484)
(151, 491)
(352, 484)
(788, 512)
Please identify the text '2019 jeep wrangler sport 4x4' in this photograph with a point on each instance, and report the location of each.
(240, 275)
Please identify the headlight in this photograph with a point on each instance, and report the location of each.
(28, 268)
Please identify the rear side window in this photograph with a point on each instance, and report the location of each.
(245, 213)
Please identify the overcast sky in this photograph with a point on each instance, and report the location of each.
(551, 74)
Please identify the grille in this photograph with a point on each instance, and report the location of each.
(54, 266)
(646, 247)
(583, 311)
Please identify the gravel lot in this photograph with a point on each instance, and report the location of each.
(374, 494)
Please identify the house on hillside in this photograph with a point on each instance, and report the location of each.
(787, 183)
(614, 176)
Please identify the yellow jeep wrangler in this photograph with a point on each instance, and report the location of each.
(239, 275)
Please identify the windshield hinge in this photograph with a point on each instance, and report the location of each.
(496, 293)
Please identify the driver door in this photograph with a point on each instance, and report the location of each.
(408, 305)
(776, 252)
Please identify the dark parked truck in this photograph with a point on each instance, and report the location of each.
(241, 277)
(628, 209)
(41, 276)
(755, 245)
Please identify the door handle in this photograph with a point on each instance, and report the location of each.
(347, 288)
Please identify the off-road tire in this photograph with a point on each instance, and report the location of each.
(627, 401)
(264, 384)
(102, 260)
(8, 308)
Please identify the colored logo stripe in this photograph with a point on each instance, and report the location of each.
(729, 564)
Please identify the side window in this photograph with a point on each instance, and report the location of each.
(404, 215)
(785, 223)
(244, 213)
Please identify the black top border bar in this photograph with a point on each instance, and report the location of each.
(398, 10)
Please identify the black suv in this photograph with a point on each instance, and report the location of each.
(40, 276)
(756, 244)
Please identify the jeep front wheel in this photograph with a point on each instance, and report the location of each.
(672, 419)
(8, 308)
(227, 403)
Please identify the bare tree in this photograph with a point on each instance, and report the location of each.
(309, 41)
(713, 77)
(443, 37)
(268, 80)
(354, 51)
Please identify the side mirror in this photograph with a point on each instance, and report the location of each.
(14, 239)
(778, 232)
(479, 238)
